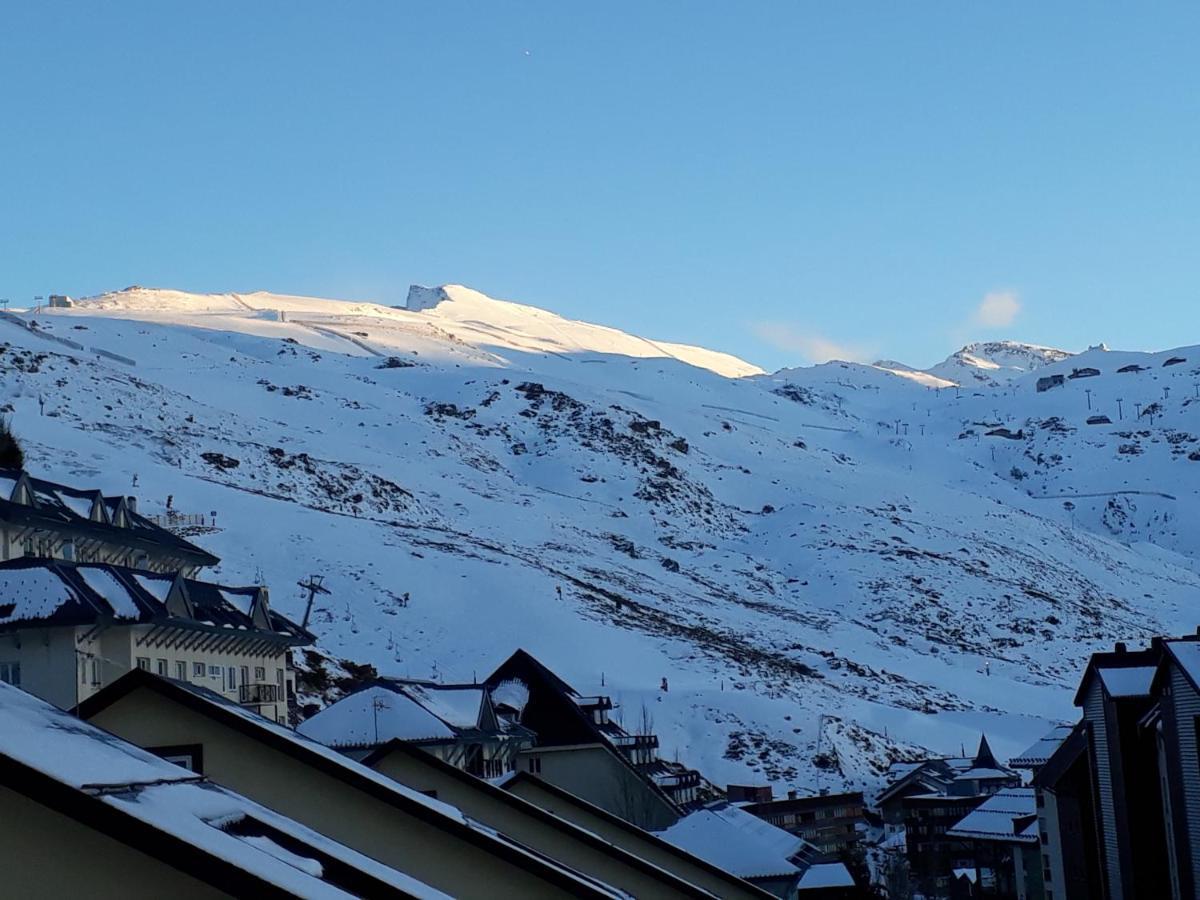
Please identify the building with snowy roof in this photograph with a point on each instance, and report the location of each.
(639, 866)
(85, 814)
(43, 519)
(329, 792)
(747, 846)
(1118, 797)
(1002, 835)
(67, 629)
(833, 823)
(458, 723)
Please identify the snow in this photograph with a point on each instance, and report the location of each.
(826, 875)
(994, 818)
(36, 593)
(513, 693)
(1043, 748)
(459, 707)
(1127, 682)
(736, 841)
(303, 863)
(158, 588)
(1187, 654)
(113, 591)
(351, 721)
(906, 592)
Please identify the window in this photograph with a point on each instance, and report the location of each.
(190, 756)
(161, 667)
(197, 670)
(10, 673)
(95, 670)
(143, 662)
(260, 674)
(231, 679)
(245, 675)
(214, 671)
(83, 670)
(181, 670)
(535, 764)
(279, 677)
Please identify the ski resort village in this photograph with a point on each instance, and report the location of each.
(324, 598)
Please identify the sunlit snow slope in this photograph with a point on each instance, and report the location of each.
(835, 559)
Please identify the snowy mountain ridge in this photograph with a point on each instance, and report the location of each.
(833, 565)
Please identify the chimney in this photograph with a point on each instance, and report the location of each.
(1121, 648)
(791, 795)
(131, 504)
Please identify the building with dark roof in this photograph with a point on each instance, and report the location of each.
(40, 518)
(1002, 836)
(67, 629)
(566, 722)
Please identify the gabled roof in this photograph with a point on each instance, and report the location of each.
(50, 592)
(409, 711)
(513, 780)
(925, 777)
(333, 764)
(1185, 653)
(984, 758)
(1004, 816)
(169, 813)
(1042, 749)
(523, 807)
(87, 513)
(1124, 683)
(553, 713)
(1061, 760)
(740, 842)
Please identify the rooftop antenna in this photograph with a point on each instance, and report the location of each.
(378, 703)
(314, 586)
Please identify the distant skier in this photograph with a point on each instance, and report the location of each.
(663, 686)
(404, 602)
(558, 590)
(135, 479)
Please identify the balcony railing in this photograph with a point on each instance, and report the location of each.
(635, 741)
(592, 703)
(678, 781)
(258, 694)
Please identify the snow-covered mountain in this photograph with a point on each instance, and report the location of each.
(989, 362)
(830, 563)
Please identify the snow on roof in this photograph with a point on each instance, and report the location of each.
(826, 875)
(1187, 654)
(352, 721)
(736, 841)
(35, 593)
(457, 706)
(996, 817)
(116, 594)
(1128, 681)
(157, 586)
(169, 798)
(512, 693)
(983, 774)
(1043, 748)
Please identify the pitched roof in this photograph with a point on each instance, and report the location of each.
(1064, 757)
(1004, 816)
(740, 842)
(1042, 749)
(984, 758)
(212, 834)
(525, 808)
(67, 509)
(435, 814)
(1107, 666)
(57, 592)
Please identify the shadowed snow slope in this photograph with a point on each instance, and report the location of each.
(832, 563)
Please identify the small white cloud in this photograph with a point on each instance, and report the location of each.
(814, 348)
(998, 309)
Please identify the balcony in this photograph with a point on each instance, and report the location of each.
(594, 703)
(259, 694)
(678, 781)
(631, 743)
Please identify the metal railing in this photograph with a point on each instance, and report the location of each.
(258, 694)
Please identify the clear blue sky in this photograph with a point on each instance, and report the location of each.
(781, 180)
